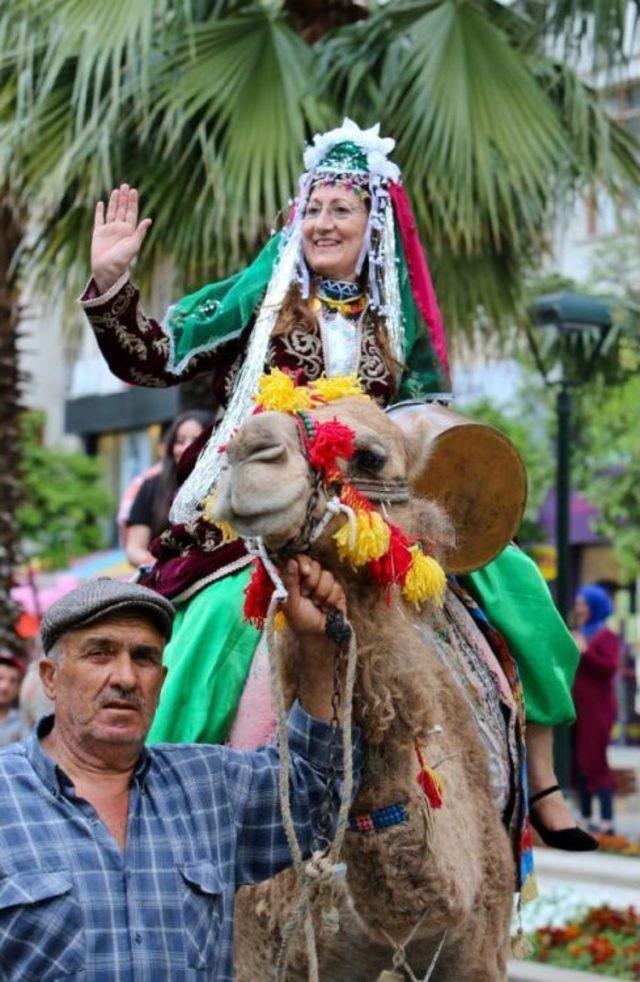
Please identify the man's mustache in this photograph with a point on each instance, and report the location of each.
(121, 695)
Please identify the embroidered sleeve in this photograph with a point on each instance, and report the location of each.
(136, 347)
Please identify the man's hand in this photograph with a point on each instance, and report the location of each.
(117, 237)
(313, 592)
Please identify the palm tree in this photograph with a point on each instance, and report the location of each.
(205, 104)
(10, 238)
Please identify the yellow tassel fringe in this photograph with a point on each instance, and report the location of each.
(370, 540)
(226, 528)
(339, 387)
(279, 621)
(279, 393)
(425, 580)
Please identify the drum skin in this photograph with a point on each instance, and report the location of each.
(476, 474)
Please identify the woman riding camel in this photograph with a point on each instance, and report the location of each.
(343, 288)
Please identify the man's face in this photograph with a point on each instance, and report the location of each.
(9, 686)
(106, 681)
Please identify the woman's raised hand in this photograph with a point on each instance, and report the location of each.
(117, 236)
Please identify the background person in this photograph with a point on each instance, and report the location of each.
(13, 726)
(149, 513)
(121, 862)
(594, 695)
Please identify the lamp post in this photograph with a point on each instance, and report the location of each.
(566, 338)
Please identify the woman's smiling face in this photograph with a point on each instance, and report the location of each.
(334, 224)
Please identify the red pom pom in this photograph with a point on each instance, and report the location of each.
(257, 596)
(431, 788)
(331, 440)
(394, 565)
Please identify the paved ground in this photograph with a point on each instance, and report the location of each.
(532, 972)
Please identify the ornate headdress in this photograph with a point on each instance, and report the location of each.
(399, 288)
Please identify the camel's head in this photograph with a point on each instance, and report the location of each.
(331, 477)
(270, 485)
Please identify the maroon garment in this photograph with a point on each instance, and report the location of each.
(596, 708)
(137, 348)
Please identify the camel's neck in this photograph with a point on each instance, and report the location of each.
(398, 696)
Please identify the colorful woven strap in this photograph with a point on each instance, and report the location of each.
(379, 818)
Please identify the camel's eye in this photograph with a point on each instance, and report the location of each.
(371, 460)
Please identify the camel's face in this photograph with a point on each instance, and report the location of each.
(265, 490)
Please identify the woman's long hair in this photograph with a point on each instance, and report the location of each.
(167, 479)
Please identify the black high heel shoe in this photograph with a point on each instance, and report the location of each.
(572, 839)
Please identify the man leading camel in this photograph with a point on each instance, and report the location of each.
(120, 862)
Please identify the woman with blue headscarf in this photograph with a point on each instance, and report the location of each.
(595, 701)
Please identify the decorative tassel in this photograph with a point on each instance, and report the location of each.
(279, 622)
(257, 596)
(279, 393)
(226, 528)
(425, 579)
(521, 947)
(529, 889)
(331, 440)
(370, 541)
(351, 497)
(429, 780)
(339, 387)
(396, 562)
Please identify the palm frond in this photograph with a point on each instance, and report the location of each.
(476, 132)
(110, 45)
(602, 149)
(594, 32)
(247, 81)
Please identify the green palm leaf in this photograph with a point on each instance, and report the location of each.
(474, 127)
(246, 81)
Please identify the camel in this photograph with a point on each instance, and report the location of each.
(445, 876)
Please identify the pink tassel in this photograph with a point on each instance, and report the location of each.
(421, 285)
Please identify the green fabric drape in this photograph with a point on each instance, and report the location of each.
(208, 660)
(422, 373)
(516, 599)
(219, 311)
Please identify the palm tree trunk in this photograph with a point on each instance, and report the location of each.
(315, 18)
(11, 236)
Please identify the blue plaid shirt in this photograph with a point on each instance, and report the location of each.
(202, 821)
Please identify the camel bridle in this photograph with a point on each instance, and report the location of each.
(381, 492)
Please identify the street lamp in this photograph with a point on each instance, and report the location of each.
(569, 335)
(566, 338)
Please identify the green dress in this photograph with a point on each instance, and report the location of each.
(208, 660)
(516, 599)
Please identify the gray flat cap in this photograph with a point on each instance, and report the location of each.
(98, 598)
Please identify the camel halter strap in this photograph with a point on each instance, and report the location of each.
(324, 862)
(384, 492)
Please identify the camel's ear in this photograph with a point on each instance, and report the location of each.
(473, 471)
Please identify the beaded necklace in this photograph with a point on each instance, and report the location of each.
(339, 296)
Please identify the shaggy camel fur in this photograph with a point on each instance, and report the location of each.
(447, 870)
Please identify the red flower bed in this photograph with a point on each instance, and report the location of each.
(604, 941)
(619, 845)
